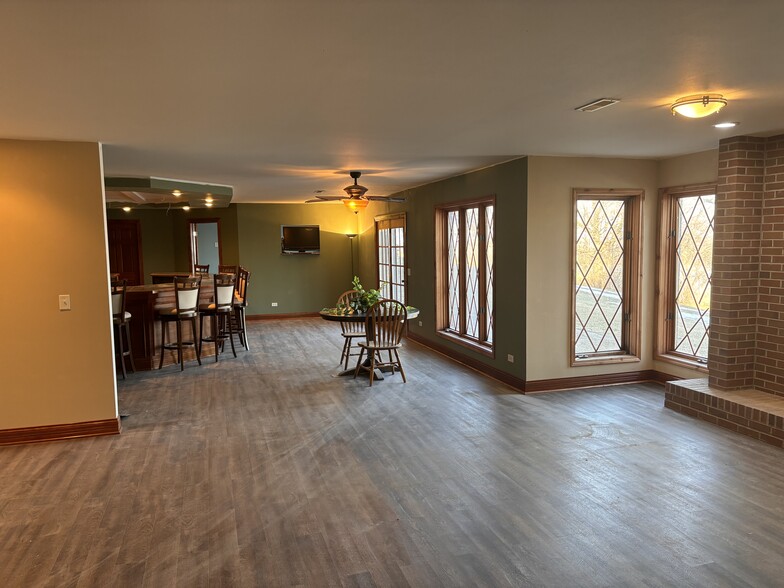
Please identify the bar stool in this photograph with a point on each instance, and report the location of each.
(121, 322)
(243, 279)
(220, 313)
(186, 299)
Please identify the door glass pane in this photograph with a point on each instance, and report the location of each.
(599, 267)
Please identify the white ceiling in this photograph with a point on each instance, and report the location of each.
(282, 97)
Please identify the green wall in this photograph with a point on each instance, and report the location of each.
(157, 238)
(509, 183)
(165, 244)
(298, 283)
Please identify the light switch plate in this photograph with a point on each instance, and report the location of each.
(65, 301)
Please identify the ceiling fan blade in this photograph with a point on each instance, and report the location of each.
(331, 197)
(385, 198)
(316, 200)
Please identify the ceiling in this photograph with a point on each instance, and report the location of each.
(280, 98)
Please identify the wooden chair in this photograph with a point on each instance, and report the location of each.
(186, 298)
(350, 330)
(121, 319)
(384, 326)
(243, 279)
(201, 268)
(220, 313)
(228, 269)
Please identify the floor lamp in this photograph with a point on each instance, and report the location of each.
(351, 246)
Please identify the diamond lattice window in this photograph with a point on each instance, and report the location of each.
(464, 241)
(685, 273)
(605, 282)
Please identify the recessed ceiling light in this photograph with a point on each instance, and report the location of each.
(598, 104)
(126, 209)
(176, 193)
(208, 199)
(726, 125)
(186, 208)
(208, 204)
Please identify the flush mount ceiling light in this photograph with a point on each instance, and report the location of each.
(698, 105)
(726, 125)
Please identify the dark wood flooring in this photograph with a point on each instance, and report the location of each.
(267, 471)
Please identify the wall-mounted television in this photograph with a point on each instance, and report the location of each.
(300, 239)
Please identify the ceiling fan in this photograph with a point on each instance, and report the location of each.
(356, 200)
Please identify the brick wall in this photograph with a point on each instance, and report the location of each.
(769, 364)
(747, 295)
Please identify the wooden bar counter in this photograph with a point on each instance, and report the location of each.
(143, 302)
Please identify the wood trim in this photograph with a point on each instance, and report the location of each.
(537, 386)
(534, 386)
(196, 221)
(631, 334)
(60, 432)
(283, 315)
(474, 364)
(664, 292)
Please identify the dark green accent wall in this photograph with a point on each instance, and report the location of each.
(165, 243)
(157, 230)
(509, 183)
(298, 283)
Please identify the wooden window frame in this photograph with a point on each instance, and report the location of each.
(632, 277)
(664, 328)
(389, 217)
(442, 277)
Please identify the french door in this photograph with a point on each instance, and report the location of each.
(391, 256)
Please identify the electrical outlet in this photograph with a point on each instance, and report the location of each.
(274, 304)
(65, 301)
(420, 323)
(408, 271)
(510, 358)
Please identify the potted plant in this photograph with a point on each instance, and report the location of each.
(362, 301)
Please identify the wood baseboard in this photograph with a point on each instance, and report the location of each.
(536, 386)
(60, 432)
(285, 315)
(474, 364)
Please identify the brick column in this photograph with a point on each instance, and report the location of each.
(736, 258)
(769, 364)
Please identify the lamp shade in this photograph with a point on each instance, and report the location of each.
(699, 105)
(355, 204)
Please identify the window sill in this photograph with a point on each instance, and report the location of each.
(605, 360)
(682, 361)
(467, 343)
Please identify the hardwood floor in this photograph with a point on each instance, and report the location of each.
(267, 471)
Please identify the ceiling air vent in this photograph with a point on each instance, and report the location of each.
(597, 104)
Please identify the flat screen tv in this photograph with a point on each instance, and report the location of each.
(300, 239)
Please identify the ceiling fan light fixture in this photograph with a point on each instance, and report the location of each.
(698, 105)
(355, 204)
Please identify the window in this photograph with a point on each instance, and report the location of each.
(605, 288)
(391, 256)
(464, 269)
(684, 274)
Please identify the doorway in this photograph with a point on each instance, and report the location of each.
(124, 238)
(205, 243)
(391, 256)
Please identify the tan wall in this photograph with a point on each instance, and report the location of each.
(57, 367)
(550, 184)
(695, 168)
